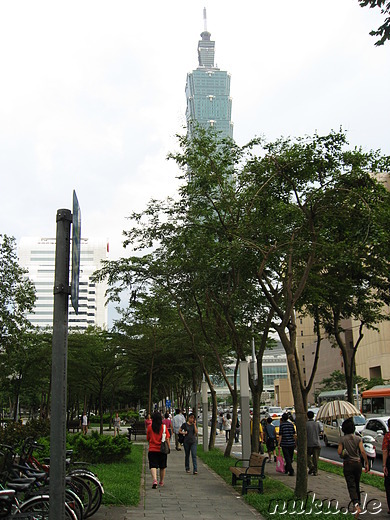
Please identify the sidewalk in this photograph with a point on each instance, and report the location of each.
(202, 496)
(328, 486)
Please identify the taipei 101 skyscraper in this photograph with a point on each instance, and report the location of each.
(208, 91)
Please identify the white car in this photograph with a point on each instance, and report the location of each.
(376, 427)
(333, 431)
(274, 411)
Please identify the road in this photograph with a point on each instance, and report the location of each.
(331, 454)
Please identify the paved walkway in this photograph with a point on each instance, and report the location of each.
(202, 496)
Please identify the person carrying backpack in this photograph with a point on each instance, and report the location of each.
(270, 439)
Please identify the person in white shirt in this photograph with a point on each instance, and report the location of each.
(177, 422)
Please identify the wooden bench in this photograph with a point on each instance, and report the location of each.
(254, 472)
(137, 428)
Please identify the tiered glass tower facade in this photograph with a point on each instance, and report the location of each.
(37, 254)
(208, 91)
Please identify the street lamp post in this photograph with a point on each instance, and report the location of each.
(205, 416)
(244, 404)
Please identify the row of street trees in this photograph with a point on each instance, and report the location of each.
(256, 234)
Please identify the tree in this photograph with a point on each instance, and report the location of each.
(336, 381)
(98, 357)
(17, 294)
(352, 284)
(17, 298)
(383, 30)
(278, 217)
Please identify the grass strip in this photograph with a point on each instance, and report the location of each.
(277, 499)
(122, 480)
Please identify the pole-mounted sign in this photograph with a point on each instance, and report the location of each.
(60, 349)
(76, 236)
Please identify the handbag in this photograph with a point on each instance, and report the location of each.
(164, 448)
(279, 463)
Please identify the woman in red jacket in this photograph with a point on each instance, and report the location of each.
(156, 458)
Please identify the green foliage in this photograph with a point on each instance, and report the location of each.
(100, 448)
(336, 381)
(15, 432)
(383, 30)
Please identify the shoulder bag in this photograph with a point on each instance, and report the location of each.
(164, 443)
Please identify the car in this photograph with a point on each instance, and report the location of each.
(142, 412)
(332, 428)
(376, 427)
(274, 411)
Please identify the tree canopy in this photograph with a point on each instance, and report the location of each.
(383, 30)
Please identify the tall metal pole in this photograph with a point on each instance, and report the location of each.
(245, 420)
(59, 367)
(205, 416)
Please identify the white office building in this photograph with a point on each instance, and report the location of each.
(38, 256)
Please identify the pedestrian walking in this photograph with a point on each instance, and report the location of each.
(190, 432)
(177, 421)
(220, 422)
(386, 464)
(313, 430)
(168, 423)
(117, 424)
(350, 449)
(84, 423)
(287, 441)
(270, 439)
(148, 422)
(157, 460)
(227, 426)
(237, 431)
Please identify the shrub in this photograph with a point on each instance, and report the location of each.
(100, 448)
(15, 433)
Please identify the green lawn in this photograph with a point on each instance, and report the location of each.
(122, 480)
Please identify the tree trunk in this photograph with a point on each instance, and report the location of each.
(300, 404)
(150, 385)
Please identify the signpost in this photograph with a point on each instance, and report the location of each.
(60, 350)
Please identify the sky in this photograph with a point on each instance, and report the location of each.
(92, 95)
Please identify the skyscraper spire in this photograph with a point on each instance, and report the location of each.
(206, 47)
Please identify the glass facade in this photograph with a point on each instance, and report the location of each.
(208, 92)
(38, 256)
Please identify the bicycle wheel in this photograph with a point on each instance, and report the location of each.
(82, 490)
(95, 488)
(39, 506)
(75, 503)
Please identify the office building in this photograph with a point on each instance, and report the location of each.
(38, 256)
(208, 91)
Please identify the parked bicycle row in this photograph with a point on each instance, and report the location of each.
(24, 485)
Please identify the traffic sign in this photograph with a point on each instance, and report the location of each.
(76, 243)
